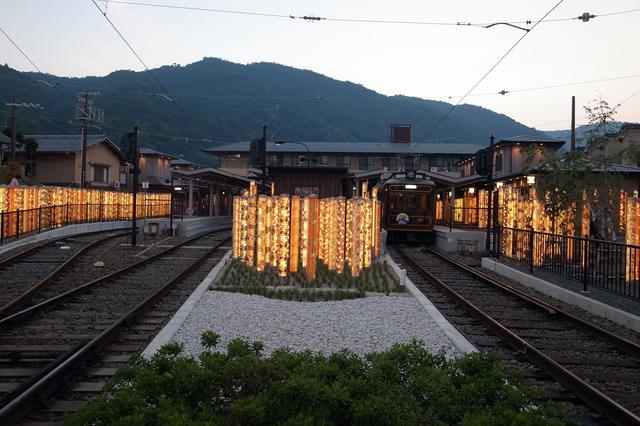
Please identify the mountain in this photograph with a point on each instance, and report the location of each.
(582, 133)
(181, 110)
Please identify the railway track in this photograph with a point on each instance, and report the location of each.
(595, 373)
(30, 271)
(62, 346)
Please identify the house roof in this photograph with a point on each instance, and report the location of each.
(149, 151)
(68, 143)
(346, 148)
(531, 139)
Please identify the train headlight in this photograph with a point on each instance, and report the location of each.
(411, 186)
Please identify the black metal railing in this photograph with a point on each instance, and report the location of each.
(18, 223)
(608, 265)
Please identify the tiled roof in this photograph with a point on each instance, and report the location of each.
(532, 139)
(149, 151)
(65, 143)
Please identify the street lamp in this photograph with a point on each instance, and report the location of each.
(299, 143)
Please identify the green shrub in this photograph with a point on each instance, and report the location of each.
(403, 386)
(328, 285)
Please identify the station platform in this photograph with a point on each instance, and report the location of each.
(183, 227)
(461, 240)
(150, 228)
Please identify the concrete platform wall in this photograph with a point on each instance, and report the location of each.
(459, 239)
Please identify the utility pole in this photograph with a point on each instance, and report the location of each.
(263, 154)
(86, 113)
(490, 191)
(14, 113)
(136, 172)
(573, 123)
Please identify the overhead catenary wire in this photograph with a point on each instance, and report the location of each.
(313, 18)
(489, 72)
(44, 75)
(166, 94)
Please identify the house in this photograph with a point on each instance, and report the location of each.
(155, 170)
(509, 156)
(58, 161)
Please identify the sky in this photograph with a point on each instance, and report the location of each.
(456, 51)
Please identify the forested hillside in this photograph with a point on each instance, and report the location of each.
(181, 110)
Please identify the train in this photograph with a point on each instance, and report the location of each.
(408, 206)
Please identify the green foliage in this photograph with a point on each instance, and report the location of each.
(563, 182)
(228, 102)
(403, 386)
(328, 285)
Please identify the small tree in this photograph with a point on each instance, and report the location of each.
(568, 182)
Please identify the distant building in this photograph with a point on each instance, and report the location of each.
(58, 161)
(355, 156)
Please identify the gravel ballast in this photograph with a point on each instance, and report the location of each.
(372, 324)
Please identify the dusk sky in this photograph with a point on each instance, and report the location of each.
(432, 50)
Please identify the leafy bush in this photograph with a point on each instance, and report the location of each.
(403, 386)
(328, 285)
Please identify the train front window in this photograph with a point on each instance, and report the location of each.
(408, 201)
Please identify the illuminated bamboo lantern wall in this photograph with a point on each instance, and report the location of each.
(261, 235)
(283, 235)
(340, 214)
(291, 232)
(323, 224)
(312, 237)
(252, 202)
(367, 232)
(631, 238)
(236, 230)
(508, 218)
(439, 208)
(483, 203)
(294, 245)
(49, 207)
(270, 224)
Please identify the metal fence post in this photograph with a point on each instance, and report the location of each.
(587, 260)
(17, 223)
(531, 237)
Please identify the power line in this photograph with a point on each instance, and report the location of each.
(30, 61)
(347, 20)
(171, 97)
(489, 72)
(132, 50)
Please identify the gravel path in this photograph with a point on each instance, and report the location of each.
(372, 324)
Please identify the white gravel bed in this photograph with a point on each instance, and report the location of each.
(372, 324)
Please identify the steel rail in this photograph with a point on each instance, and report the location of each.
(587, 393)
(21, 300)
(625, 345)
(26, 401)
(11, 259)
(61, 298)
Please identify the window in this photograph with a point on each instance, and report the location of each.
(276, 160)
(366, 162)
(390, 163)
(498, 162)
(99, 173)
(319, 160)
(343, 161)
(454, 165)
(436, 164)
